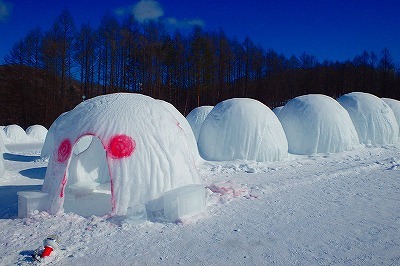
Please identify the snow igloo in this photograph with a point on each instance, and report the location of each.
(196, 118)
(317, 123)
(15, 133)
(242, 128)
(373, 119)
(114, 152)
(37, 132)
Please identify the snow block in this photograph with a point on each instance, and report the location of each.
(29, 201)
(184, 201)
(136, 214)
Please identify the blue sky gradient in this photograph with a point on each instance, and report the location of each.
(333, 30)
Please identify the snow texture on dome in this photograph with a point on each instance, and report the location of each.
(184, 124)
(49, 141)
(373, 119)
(196, 118)
(145, 148)
(37, 132)
(242, 128)
(395, 106)
(15, 133)
(2, 150)
(277, 110)
(317, 123)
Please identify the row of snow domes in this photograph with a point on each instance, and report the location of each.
(247, 129)
(16, 134)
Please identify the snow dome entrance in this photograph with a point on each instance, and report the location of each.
(88, 187)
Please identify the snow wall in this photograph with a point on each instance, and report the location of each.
(145, 148)
(196, 118)
(184, 124)
(37, 132)
(242, 128)
(395, 106)
(373, 119)
(317, 123)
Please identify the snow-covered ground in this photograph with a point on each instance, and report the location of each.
(341, 209)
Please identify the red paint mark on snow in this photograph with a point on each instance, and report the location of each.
(121, 146)
(64, 151)
(63, 182)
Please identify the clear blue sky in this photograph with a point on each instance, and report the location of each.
(334, 30)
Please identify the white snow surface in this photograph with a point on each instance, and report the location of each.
(277, 110)
(37, 132)
(2, 150)
(327, 209)
(395, 106)
(15, 133)
(317, 123)
(184, 124)
(196, 118)
(242, 128)
(145, 148)
(49, 141)
(373, 119)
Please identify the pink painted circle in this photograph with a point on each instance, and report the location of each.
(121, 146)
(64, 151)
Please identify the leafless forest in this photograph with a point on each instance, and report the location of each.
(49, 72)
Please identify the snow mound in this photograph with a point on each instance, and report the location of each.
(15, 133)
(184, 124)
(196, 118)
(37, 132)
(373, 119)
(3, 135)
(317, 123)
(395, 106)
(242, 128)
(145, 149)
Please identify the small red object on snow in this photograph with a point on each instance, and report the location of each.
(46, 252)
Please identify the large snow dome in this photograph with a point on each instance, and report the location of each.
(196, 118)
(37, 132)
(15, 133)
(184, 124)
(373, 119)
(242, 128)
(317, 123)
(145, 149)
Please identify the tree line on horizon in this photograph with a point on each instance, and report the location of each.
(48, 73)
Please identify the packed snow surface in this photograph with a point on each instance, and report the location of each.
(395, 106)
(317, 123)
(196, 118)
(242, 128)
(184, 124)
(328, 209)
(373, 119)
(15, 133)
(37, 132)
(145, 148)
